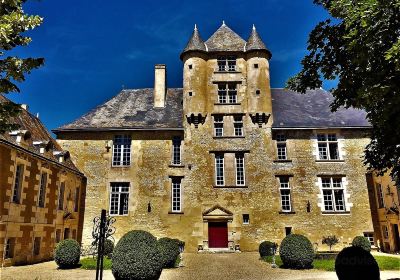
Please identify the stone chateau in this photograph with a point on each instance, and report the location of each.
(42, 193)
(225, 161)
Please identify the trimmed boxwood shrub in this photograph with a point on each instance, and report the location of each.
(67, 253)
(356, 263)
(362, 242)
(169, 251)
(179, 242)
(108, 248)
(296, 251)
(266, 248)
(136, 257)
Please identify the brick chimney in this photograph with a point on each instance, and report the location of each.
(160, 85)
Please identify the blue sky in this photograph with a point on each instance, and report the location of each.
(93, 49)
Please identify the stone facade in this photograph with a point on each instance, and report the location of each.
(30, 226)
(384, 200)
(250, 208)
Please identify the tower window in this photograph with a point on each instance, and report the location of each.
(176, 151)
(281, 146)
(176, 194)
(239, 158)
(256, 65)
(190, 93)
(246, 219)
(190, 66)
(227, 93)
(121, 150)
(226, 63)
(218, 126)
(238, 125)
(258, 92)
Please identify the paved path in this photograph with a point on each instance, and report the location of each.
(235, 266)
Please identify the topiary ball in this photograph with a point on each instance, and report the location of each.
(362, 242)
(108, 248)
(296, 251)
(266, 248)
(136, 257)
(356, 263)
(67, 253)
(169, 251)
(180, 243)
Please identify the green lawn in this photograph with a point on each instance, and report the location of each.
(384, 263)
(90, 263)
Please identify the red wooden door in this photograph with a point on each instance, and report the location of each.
(218, 235)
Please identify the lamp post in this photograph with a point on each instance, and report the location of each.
(274, 248)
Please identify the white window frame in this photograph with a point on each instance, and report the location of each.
(332, 188)
(226, 63)
(238, 125)
(121, 151)
(42, 190)
(218, 126)
(117, 189)
(176, 195)
(324, 141)
(284, 186)
(227, 93)
(240, 170)
(370, 237)
(176, 151)
(219, 164)
(281, 147)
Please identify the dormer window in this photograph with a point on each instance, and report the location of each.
(43, 146)
(226, 63)
(20, 135)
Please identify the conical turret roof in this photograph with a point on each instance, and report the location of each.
(195, 42)
(255, 42)
(225, 39)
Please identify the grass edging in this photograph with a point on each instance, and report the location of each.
(384, 263)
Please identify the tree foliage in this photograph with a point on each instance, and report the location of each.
(14, 22)
(330, 240)
(359, 46)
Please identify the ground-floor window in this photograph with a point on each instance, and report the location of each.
(370, 237)
(9, 249)
(58, 235)
(119, 198)
(36, 246)
(66, 233)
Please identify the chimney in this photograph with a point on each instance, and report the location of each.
(160, 85)
(25, 107)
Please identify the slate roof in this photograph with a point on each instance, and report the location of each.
(38, 132)
(195, 42)
(225, 39)
(132, 109)
(311, 110)
(255, 42)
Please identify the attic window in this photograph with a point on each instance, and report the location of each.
(258, 92)
(190, 66)
(256, 65)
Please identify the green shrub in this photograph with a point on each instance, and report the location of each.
(108, 248)
(136, 256)
(169, 251)
(330, 240)
(67, 253)
(296, 251)
(362, 242)
(180, 243)
(356, 263)
(266, 248)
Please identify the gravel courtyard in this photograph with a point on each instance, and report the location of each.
(240, 266)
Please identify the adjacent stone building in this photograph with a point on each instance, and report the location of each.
(226, 161)
(384, 200)
(42, 193)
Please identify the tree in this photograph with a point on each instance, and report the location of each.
(330, 240)
(359, 46)
(13, 23)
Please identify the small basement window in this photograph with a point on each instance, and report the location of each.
(256, 65)
(246, 219)
(288, 230)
